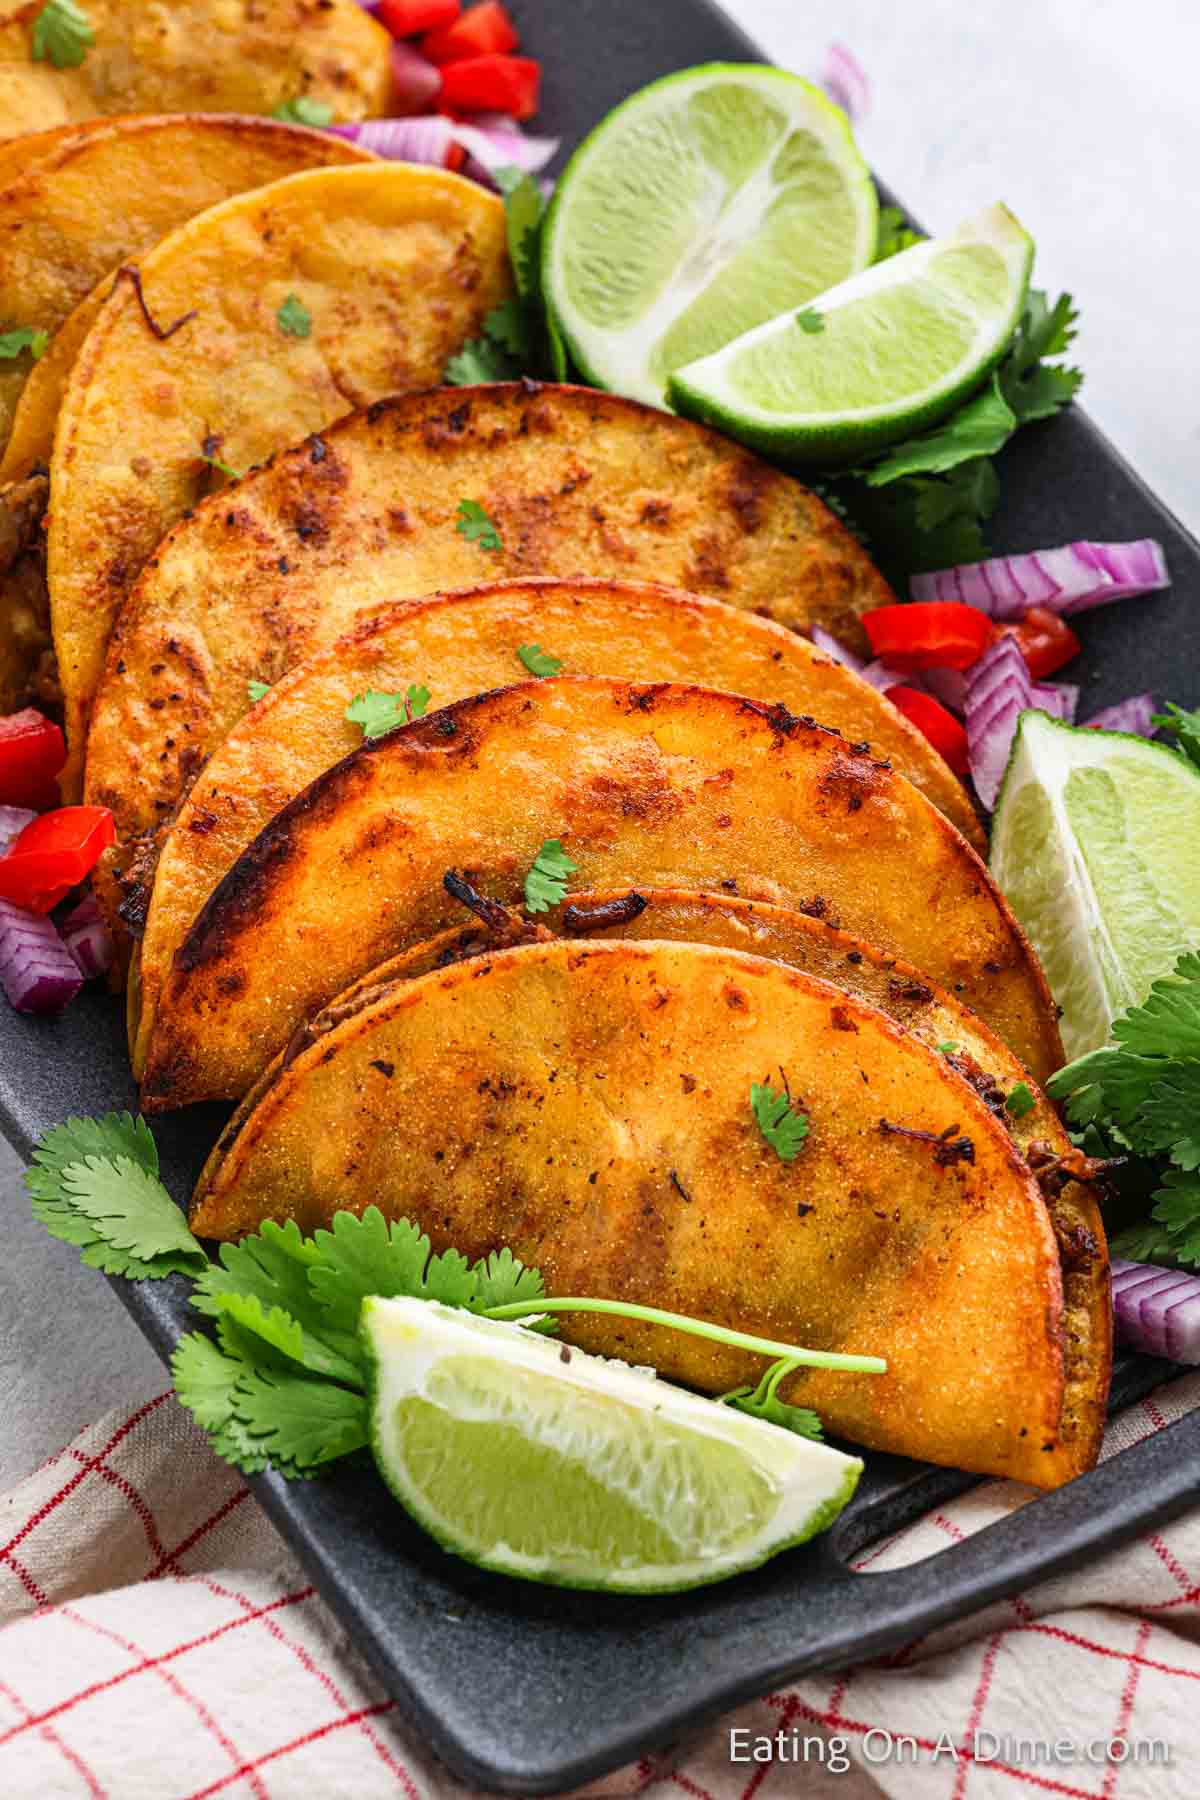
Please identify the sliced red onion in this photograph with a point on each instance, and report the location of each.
(87, 938)
(880, 676)
(37, 971)
(947, 685)
(845, 81)
(999, 690)
(416, 82)
(1135, 715)
(828, 645)
(430, 138)
(1067, 580)
(1157, 1311)
(1058, 698)
(13, 820)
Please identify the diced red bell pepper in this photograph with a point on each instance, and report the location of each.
(53, 854)
(1044, 640)
(932, 719)
(929, 634)
(32, 751)
(408, 18)
(484, 30)
(506, 84)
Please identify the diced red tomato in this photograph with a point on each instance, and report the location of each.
(32, 751)
(53, 854)
(1044, 640)
(932, 719)
(484, 30)
(507, 84)
(408, 18)
(929, 634)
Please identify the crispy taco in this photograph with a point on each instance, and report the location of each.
(589, 1104)
(574, 482)
(66, 221)
(249, 56)
(668, 784)
(460, 644)
(904, 994)
(260, 320)
(26, 659)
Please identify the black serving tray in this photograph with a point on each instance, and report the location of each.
(528, 1690)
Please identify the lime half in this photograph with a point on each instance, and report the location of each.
(708, 202)
(884, 354)
(1096, 843)
(540, 1461)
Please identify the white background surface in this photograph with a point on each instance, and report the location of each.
(1081, 115)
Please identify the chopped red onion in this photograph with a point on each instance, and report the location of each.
(416, 82)
(1135, 715)
(87, 938)
(1067, 580)
(13, 820)
(1058, 698)
(845, 81)
(828, 645)
(947, 685)
(37, 971)
(880, 676)
(1157, 1311)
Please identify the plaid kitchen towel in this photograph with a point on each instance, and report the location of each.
(159, 1641)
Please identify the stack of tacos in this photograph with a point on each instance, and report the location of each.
(234, 501)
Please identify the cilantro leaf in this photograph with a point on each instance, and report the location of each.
(21, 338)
(367, 1255)
(538, 661)
(128, 1207)
(479, 360)
(214, 462)
(1147, 1242)
(1177, 1207)
(1167, 1023)
(546, 882)
(114, 1134)
(1020, 1101)
(301, 1423)
(949, 1048)
(895, 234)
(508, 326)
(472, 522)
(294, 318)
(502, 1280)
(62, 34)
(763, 1402)
(785, 1127)
(303, 110)
(524, 208)
(1184, 726)
(379, 713)
(277, 1328)
(978, 428)
(811, 321)
(1169, 1118)
(205, 1379)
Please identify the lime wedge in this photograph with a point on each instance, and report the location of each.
(523, 1456)
(1096, 843)
(884, 354)
(708, 202)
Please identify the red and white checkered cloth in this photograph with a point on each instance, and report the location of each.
(159, 1641)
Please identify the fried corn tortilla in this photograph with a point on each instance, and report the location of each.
(894, 988)
(462, 644)
(243, 56)
(89, 200)
(260, 320)
(577, 483)
(589, 1106)
(673, 785)
(26, 659)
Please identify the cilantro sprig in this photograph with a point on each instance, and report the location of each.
(1142, 1094)
(782, 1124)
(519, 336)
(281, 1380)
(539, 662)
(379, 713)
(546, 882)
(62, 35)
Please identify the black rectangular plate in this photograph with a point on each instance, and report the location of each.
(529, 1690)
